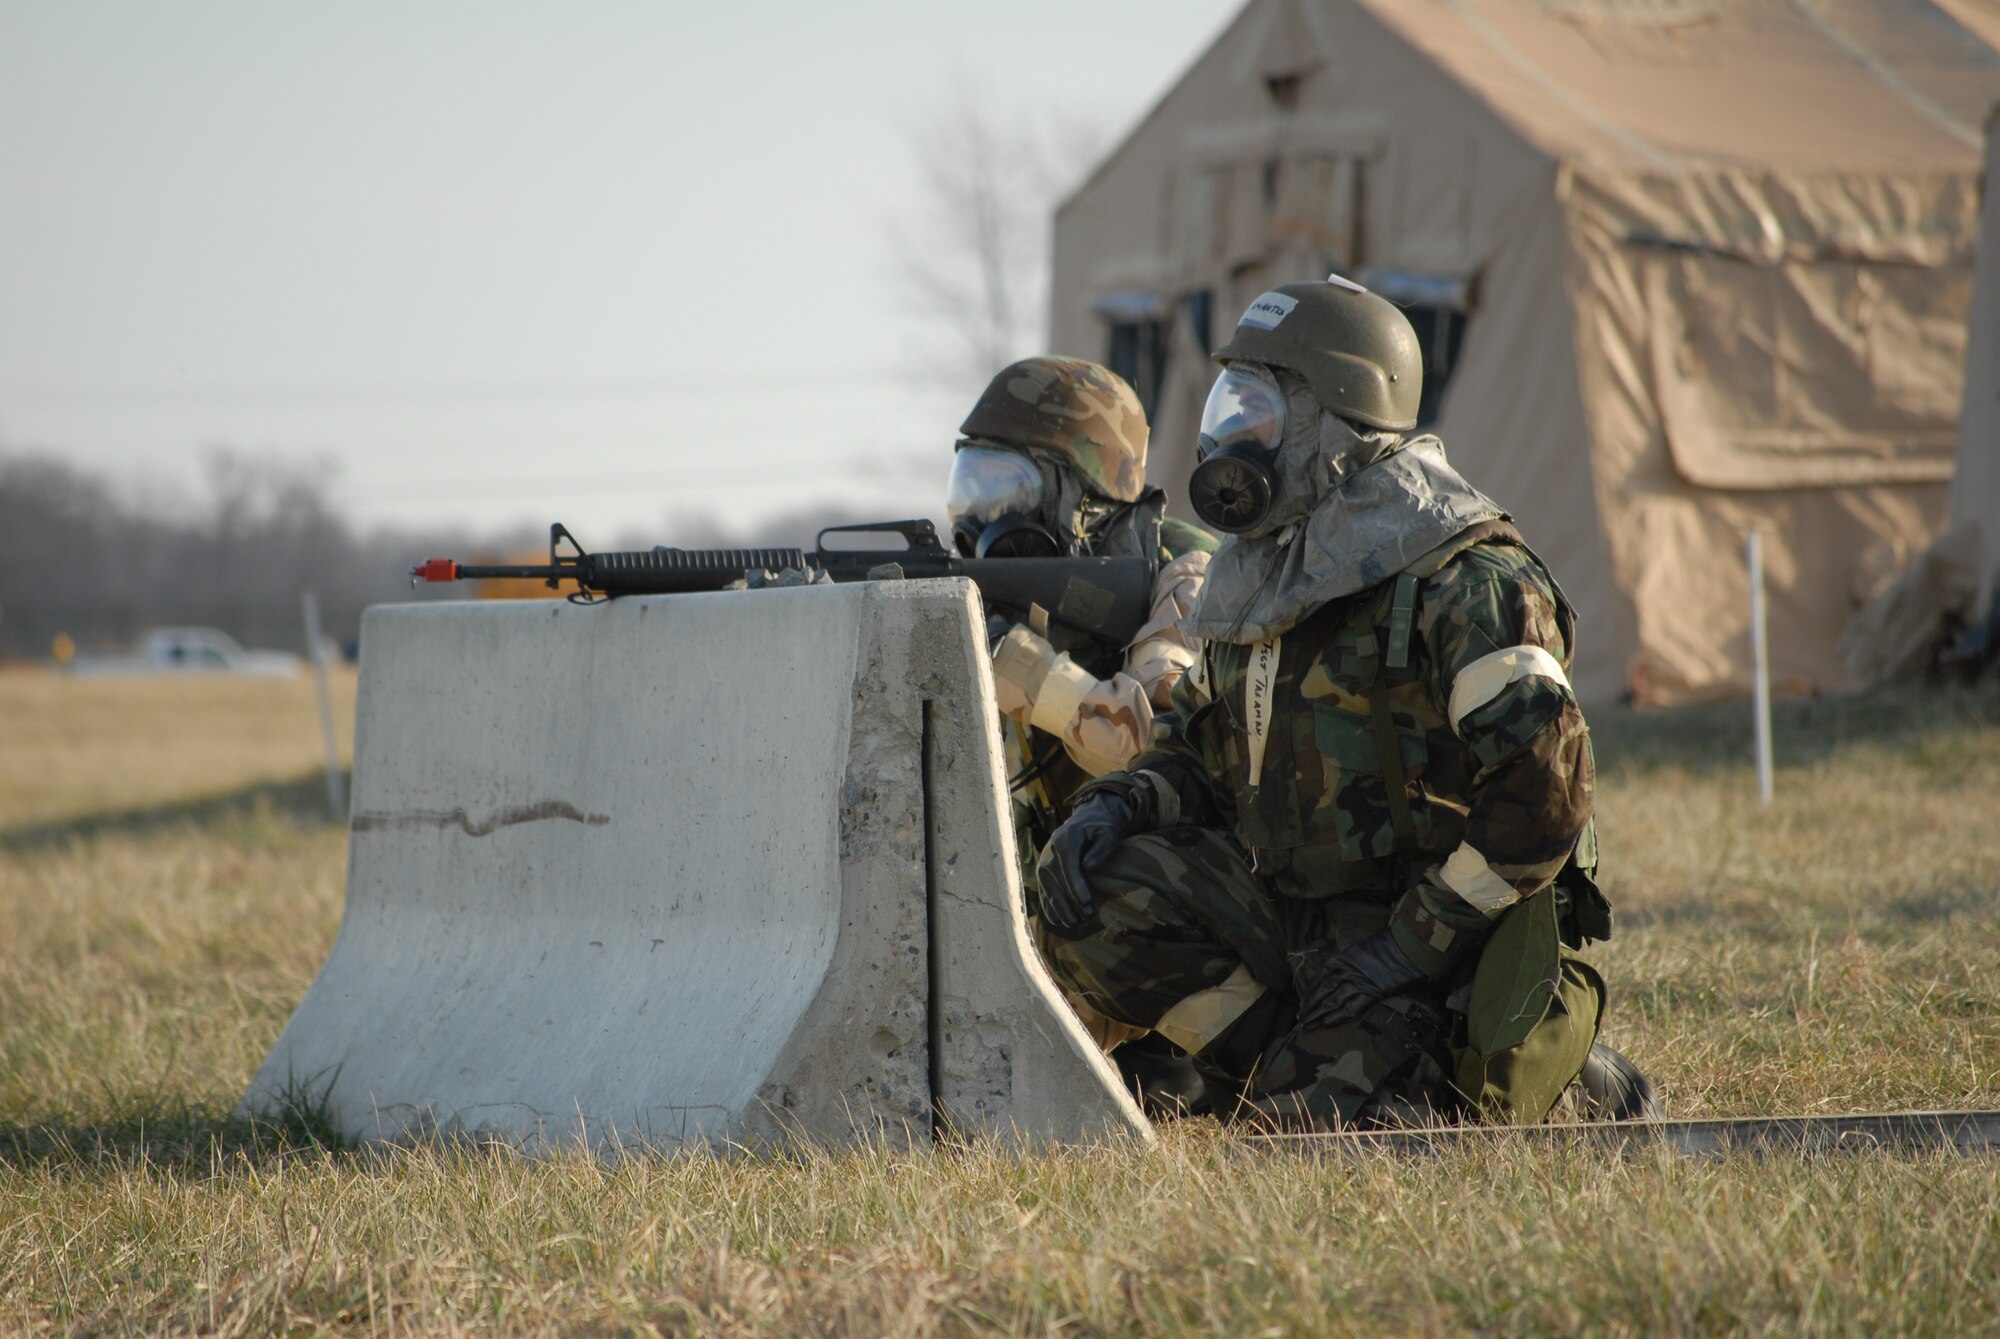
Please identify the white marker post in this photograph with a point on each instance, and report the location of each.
(336, 784)
(1760, 654)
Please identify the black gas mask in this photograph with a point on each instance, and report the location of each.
(1242, 426)
(994, 500)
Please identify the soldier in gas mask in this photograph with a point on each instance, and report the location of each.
(1352, 873)
(1052, 462)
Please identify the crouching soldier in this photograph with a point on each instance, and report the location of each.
(1051, 462)
(1353, 871)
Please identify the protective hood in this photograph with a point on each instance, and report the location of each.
(1353, 507)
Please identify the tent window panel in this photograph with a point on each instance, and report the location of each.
(1197, 207)
(1201, 312)
(1138, 353)
(1140, 336)
(1227, 219)
(1245, 223)
(1438, 306)
(1806, 373)
(1441, 333)
(1313, 212)
(1917, 334)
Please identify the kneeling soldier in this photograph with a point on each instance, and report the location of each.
(1351, 874)
(1052, 462)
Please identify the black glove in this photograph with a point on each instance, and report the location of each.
(1355, 978)
(1084, 842)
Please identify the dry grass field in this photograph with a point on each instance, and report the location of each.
(169, 884)
(90, 749)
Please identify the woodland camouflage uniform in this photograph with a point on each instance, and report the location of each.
(1222, 912)
(1392, 756)
(1075, 709)
(1084, 709)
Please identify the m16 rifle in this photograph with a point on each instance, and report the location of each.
(1106, 600)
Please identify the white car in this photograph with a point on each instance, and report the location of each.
(190, 651)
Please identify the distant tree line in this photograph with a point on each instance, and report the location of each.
(79, 556)
(83, 557)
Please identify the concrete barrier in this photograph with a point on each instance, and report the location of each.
(694, 869)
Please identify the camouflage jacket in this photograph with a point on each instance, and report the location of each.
(1099, 722)
(1464, 669)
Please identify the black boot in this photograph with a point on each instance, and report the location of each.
(1161, 1077)
(1614, 1089)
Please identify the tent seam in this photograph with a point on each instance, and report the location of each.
(1514, 56)
(1914, 97)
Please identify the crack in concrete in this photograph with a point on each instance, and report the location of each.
(411, 819)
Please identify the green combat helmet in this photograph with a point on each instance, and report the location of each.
(1355, 349)
(1075, 409)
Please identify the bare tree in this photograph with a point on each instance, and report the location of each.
(973, 254)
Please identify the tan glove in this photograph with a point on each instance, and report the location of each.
(1101, 722)
(1035, 682)
(1021, 664)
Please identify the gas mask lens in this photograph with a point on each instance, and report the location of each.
(1241, 427)
(992, 500)
(1242, 409)
(987, 483)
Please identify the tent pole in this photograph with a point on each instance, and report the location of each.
(1760, 651)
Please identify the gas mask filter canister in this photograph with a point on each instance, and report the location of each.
(1242, 425)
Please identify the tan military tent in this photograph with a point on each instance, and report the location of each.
(1682, 267)
(1975, 489)
(1956, 582)
(1982, 17)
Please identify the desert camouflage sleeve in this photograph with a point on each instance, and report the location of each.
(1162, 651)
(1103, 722)
(1173, 773)
(1500, 650)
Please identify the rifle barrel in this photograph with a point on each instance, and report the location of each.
(481, 573)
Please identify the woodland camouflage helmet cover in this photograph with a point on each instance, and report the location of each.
(1075, 409)
(1354, 348)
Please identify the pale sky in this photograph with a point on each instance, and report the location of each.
(594, 261)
